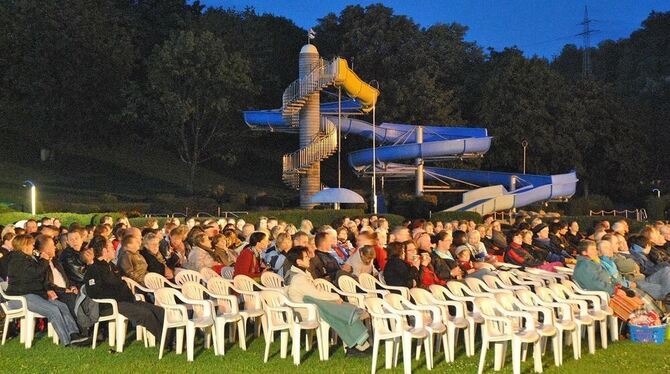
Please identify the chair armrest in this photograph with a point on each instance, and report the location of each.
(389, 316)
(458, 305)
(112, 302)
(564, 308)
(179, 308)
(21, 299)
(592, 298)
(312, 311)
(280, 309)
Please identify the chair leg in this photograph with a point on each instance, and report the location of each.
(603, 333)
(190, 342)
(325, 338)
(450, 345)
(95, 335)
(614, 328)
(407, 354)
(120, 334)
(388, 345)
(319, 343)
(30, 332)
(516, 356)
(576, 342)
(4, 331)
(592, 338)
(557, 348)
(537, 356)
(296, 345)
(242, 334)
(220, 337)
(163, 336)
(375, 352)
(418, 351)
(428, 347)
(482, 356)
(283, 336)
(179, 335)
(267, 345)
(111, 334)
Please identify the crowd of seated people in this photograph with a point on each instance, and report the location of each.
(49, 263)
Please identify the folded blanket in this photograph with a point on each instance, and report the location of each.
(343, 318)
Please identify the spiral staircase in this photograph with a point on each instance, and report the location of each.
(324, 143)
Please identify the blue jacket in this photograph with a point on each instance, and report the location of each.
(591, 276)
(610, 267)
(647, 267)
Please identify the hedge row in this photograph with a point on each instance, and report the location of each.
(456, 216)
(586, 223)
(65, 218)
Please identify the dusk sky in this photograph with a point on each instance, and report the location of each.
(539, 27)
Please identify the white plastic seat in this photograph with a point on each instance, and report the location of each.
(25, 316)
(399, 329)
(596, 312)
(443, 294)
(252, 307)
(561, 318)
(298, 317)
(272, 280)
(208, 274)
(452, 322)
(187, 276)
(432, 321)
(478, 285)
(496, 283)
(510, 279)
(604, 306)
(499, 329)
(370, 283)
(176, 316)
(580, 314)
(138, 290)
(227, 311)
(154, 281)
(544, 329)
(350, 285)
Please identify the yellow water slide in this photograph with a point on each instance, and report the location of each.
(355, 86)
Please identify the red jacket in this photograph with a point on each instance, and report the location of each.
(248, 264)
(428, 277)
(380, 258)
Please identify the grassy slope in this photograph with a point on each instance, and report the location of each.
(46, 357)
(131, 172)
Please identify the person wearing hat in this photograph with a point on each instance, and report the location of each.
(542, 241)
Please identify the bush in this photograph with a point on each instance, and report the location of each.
(65, 218)
(581, 205)
(451, 216)
(412, 207)
(656, 207)
(586, 222)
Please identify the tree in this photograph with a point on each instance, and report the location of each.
(196, 89)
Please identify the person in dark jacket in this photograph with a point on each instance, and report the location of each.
(543, 242)
(397, 272)
(103, 281)
(444, 264)
(27, 277)
(155, 261)
(518, 255)
(5, 250)
(74, 258)
(323, 264)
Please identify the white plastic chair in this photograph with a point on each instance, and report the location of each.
(176, 316)
(301, 317)
(227, 311)
(545, 329)
(386, 327)
(478, 285)
(26, 317)
(370, 283)
(452, 322)
(154, 281)
(432, 321)
(227, 272)
(139, 296)
(187, 276)
(510, 279)
(253, 307)
(350, 285)
(604, 307)
(272, 280)
(499, 329)
(596, 312)
(277, 318)
(561, 318)
(443, 294)
(580, 315)
(116, 322)
(496, 283)
(208, 274)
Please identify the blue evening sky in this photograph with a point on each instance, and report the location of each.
(539, 27)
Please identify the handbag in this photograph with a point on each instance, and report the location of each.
(623, 305)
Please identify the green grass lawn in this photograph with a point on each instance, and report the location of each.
(619, 357)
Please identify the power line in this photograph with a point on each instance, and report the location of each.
(587, 69)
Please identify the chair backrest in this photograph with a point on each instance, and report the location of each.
(168, 296)
(527, 297)
(545, 294)
(570, 284)
(219, 286)
(561, 291)
(195, 291)
(188, 276)
(208, 274)
(323, 285)
(458, 288)
(273, 299)
(245, 283)
(422, 297)
(487, 309)
(227, 272)
(395, 300)
(507, 301)
(348, 284)
(477, 285)
(154, 281)
(367, 281)
(272, 280)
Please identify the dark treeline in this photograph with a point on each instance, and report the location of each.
(178, 75)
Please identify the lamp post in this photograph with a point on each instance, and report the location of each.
(33, 195)
(658, 192)
(374, 150)
(524, 144)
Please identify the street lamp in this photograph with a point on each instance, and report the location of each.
(658, 192)
(524, 144)
(33, 195)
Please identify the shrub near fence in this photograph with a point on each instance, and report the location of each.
(451, 216)
(65, 218)
(586, 222)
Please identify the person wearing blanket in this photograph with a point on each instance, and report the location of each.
(344, 318)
